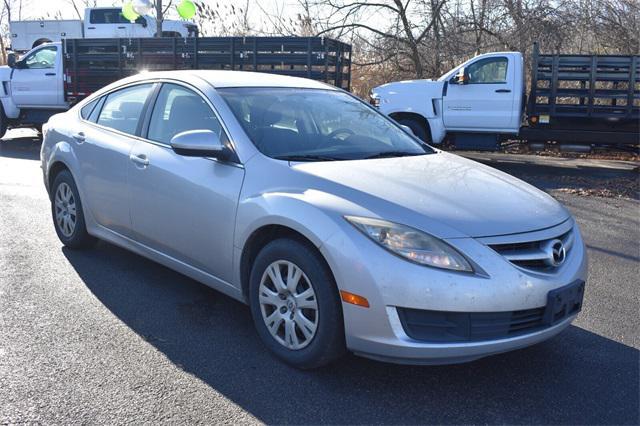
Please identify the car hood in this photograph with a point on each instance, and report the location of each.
(474, 199)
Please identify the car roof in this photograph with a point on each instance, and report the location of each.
(219, 79)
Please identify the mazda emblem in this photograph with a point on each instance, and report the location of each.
(556, 253)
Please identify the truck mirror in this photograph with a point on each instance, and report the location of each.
(11, 60)
(462, 77)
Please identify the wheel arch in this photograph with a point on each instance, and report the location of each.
(40, 41)
(402, 115)
(55, 168)
(262, 236)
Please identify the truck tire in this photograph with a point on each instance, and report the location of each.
(418, 128)
(3, 123)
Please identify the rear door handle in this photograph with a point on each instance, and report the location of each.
(50, 73)
(79, 137)
(140, 159)
(121, 28)
(503, 91)
(91, 28)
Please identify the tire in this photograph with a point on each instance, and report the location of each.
(3, 123)
(418, 129)
(326, 343)
(64, 196)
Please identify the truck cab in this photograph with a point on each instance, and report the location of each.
(32, 87)
(482, 95)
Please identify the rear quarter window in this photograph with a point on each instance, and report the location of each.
(86, 110)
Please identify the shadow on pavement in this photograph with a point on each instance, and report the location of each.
(21, 148)
(578, 377)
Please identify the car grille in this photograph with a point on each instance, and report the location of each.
(534, 254)
(451, 327)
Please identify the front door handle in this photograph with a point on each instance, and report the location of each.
(140, 159)
(50, 73)
(503, 91)
(121, 28)
(79, 137)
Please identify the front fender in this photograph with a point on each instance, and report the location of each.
(312, 213)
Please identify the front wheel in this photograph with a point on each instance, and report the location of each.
(3, 123)
(66, 209)
(419, 130)
(295, 304)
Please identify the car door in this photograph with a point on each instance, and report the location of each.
(184, 207)
(485, 101)
(34, 81)
(103, 145)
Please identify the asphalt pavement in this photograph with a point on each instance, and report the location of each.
(106, 336)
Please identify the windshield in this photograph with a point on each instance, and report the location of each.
(317, 125)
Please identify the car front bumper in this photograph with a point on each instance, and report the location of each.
(391, 284)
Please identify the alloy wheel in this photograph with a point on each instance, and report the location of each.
(288, 304)
(65, 209)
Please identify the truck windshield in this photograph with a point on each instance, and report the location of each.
(317, 125)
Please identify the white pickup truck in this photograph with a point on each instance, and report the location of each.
(99, 22)
(32, 89)
(575, 101)
(483, 95)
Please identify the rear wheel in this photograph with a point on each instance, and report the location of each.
(295, 304)
(419, 129)
(66, 209)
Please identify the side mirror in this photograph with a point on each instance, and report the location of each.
(199, 143)
(11, 60)
(143, 22)
(462, 77)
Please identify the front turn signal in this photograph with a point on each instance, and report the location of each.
(354, 299)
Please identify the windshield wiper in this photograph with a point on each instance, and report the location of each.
(307, 157)
(388, 154)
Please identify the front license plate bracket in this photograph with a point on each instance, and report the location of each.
(564, 302)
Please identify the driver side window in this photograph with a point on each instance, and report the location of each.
(43, 58)
(488, 71)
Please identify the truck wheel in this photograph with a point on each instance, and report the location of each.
(418, 129)
(3, 123)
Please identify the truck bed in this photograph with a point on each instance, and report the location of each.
(90, 64)
(590, 92)
(25, 33)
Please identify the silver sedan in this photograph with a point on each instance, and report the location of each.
(337, 227)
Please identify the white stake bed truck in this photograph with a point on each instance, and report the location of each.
(575, 100)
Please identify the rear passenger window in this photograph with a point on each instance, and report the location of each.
(85, 111)
(179, 109)
(122, 109)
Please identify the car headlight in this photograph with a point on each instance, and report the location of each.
(413, 245)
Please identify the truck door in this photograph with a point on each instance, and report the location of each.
(34, 81)
(482, 97)
(106, 23)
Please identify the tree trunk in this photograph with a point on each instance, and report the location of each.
(159, 18)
